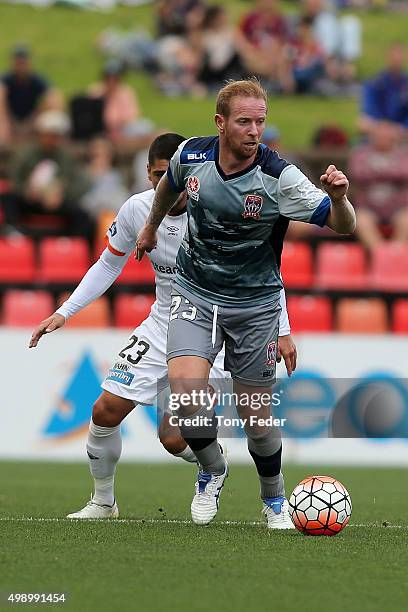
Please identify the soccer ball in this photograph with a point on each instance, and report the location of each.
(320, 505)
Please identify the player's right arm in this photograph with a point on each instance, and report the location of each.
(167, 192)
(164, 199)
(100, 276)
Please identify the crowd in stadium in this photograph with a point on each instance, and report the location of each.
(60, 176)
(198, 46)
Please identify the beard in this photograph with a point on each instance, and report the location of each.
(239, 150)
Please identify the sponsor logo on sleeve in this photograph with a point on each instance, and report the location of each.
(113, 230)
(252, 206)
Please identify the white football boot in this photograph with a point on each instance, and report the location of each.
(276, 511)
(96, 511)
(205, 502)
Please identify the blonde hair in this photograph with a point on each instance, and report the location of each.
(247, 88)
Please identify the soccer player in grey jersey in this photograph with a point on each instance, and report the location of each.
(241, 198)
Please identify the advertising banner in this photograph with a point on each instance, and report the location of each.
(48, 393)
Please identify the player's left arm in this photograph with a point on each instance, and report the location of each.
(300, 200)
(341, 217)
(286, 346)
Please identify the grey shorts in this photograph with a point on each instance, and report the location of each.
(197, 327)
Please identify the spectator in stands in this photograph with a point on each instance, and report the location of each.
(47, 181)
(306, 60)
(22, 93)
(108, 191)
(260, 38)
(178, 17)
(330, 136)
(122, 114)
(179, 60)
(385, 98)
(339, 41)
(265, 24)
(379, 176)
(220, 58)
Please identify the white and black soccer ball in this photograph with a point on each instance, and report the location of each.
(320, 505)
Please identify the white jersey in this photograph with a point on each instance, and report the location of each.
(122, 237)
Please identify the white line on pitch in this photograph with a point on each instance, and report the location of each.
(30, 519)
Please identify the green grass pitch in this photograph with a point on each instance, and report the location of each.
(155, 558)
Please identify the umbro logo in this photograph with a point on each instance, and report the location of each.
(172, 230)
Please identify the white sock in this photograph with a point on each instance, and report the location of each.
(188, 455)
(103, 448)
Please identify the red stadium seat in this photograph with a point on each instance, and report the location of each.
(400, 316)
(297, 264)
(309, 313)
(131, 310)
(134, 272)
(137, 272)
(96, 314)
(362, 316)
(341, 266)
(99, 247)
(63, 259)
(26, 308)
(389, 270)
(104, 222)
(17, 260)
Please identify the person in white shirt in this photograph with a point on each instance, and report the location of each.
(139, 372)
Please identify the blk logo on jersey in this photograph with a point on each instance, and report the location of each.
(196, 156)
(252, 206)
(193, 187)
(270, 354)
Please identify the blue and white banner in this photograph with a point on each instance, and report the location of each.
(48, 393)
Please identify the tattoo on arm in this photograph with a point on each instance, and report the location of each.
(164, 199)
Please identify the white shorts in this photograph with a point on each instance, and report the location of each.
(139, 372)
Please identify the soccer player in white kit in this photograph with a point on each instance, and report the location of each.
(140, 369)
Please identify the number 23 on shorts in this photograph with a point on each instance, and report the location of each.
(189, 313)
(144, 347)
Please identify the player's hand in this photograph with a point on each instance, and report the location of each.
(287, 350)
(335, 183)
(146, 241)
(55, 321)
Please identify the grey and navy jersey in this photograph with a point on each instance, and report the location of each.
(232, 249)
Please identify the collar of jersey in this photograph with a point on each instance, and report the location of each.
(229, 177)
